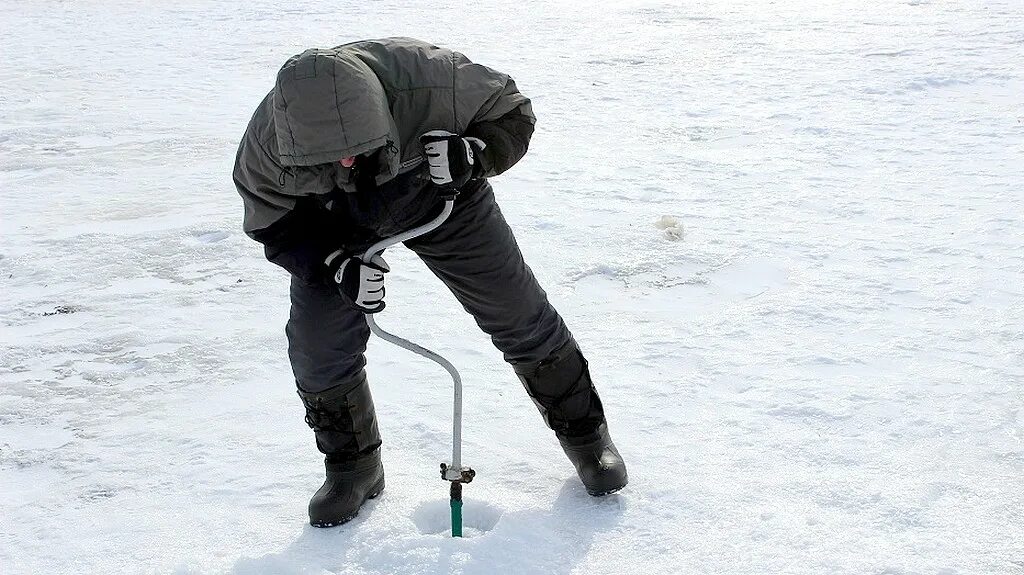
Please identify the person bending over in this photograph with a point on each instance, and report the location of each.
(363, 141)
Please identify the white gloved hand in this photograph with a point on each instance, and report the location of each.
(361, 284)
(452, 159)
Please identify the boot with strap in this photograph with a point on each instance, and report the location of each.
(561, 387)
(345, 425)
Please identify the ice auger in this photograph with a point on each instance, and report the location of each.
(454, 472)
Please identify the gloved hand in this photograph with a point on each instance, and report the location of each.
(452, 158)
(361, 284)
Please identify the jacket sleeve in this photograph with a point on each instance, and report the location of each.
(489, 106)
(292, 228)
(299, 242)
(507, 139)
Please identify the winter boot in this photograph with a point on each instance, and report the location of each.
(561, 387)
(349, 484)
(346, 432)
(597, 461)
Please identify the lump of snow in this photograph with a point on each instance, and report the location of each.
(672, 227)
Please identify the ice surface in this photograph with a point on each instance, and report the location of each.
(822, 375)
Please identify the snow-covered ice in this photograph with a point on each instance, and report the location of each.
(788, 236)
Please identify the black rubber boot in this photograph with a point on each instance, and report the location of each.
(346, 432)
(563, 391)
(349, 484)
(597, 462)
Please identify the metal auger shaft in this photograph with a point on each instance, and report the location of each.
(454, 473)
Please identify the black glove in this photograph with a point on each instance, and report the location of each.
(361, 284)
(452, 158)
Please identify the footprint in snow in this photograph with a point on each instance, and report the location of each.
(210, 237)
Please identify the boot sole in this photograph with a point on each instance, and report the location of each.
(374, 493)
(607, 491)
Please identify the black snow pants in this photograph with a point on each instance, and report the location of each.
(474, 253)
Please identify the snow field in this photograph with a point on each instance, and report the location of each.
(787, 235)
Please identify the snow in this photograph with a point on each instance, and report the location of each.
(823, 374)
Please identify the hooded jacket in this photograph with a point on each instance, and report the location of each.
(328, 104)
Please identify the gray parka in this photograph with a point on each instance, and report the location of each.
(377, 94)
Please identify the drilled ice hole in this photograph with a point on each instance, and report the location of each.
(434, 517)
